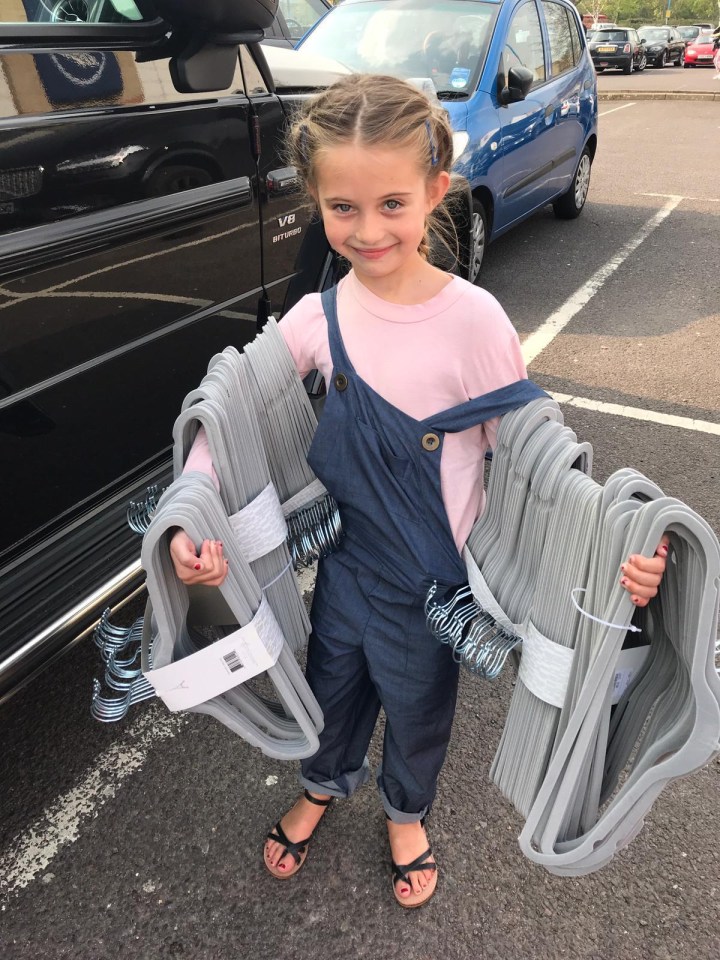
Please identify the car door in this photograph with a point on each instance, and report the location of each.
(129, 254)
(678, 45)
(527, 126)
(571, 87)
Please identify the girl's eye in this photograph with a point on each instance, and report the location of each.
(393, 204)
(343, 207)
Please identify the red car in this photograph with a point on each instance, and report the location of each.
(700, 52)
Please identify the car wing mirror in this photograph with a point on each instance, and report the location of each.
(519, 81)
(205, 37)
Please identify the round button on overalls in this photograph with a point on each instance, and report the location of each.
(341, 381)
(430, 441)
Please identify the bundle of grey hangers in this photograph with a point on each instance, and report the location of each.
(272, 515)
(594, 732)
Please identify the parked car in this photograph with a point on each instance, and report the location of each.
(688, 33)
(147, 220)
(663, 46)
(701, 51)
(292, 20)
(517, 82)
(619, 48)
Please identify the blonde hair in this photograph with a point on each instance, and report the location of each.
(376, 111)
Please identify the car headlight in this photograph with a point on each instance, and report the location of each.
(460, 141)
(656, 49)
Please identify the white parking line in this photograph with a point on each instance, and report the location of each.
(623, 107)
(533, 346)
(32, 851)
(637, 413)
(704, 199)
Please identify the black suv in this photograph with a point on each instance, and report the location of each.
(147, 220)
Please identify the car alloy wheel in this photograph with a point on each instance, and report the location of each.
(479, 237)
(570, 204)
(642, 63)
(70, 11)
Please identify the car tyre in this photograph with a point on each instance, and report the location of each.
(642, 63)
(680, 59)
(480, 239)
(570, 204)
(629, 67)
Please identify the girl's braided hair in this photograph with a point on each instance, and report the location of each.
(376, 111)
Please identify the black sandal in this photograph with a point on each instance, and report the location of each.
(401, 872)
(298, 850)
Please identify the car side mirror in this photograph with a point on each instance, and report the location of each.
(643, 40)
(206, 38)
(519, 81)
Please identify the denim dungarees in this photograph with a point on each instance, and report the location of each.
(370, 646)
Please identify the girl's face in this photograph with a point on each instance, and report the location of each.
(374, 201)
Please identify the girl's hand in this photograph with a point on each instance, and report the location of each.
(641, 576)
(210, 567)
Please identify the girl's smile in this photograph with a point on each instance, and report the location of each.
(374, 202)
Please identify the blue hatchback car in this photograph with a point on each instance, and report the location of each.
(516, 79)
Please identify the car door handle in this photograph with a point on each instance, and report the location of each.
(281, 182)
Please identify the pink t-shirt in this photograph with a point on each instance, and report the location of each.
(423, 359)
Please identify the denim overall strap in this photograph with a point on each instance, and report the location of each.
(383, 468)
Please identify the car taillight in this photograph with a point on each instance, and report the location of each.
(627, 48)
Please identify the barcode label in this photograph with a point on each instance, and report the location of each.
(233, 661)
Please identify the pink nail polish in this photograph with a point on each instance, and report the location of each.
(624, 581)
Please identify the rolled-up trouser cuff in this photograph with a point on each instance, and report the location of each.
(345, 786)
(399, 816)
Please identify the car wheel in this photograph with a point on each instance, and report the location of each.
(628, 68)
(480, 239)
(680, 59)
(570, 204)
(642, 64)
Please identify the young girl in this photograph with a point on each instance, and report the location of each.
(419, 365)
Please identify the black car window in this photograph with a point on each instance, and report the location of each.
(71, 11)
(576, 35)
(524, 43)
(562, 57)
(611, 36)
(300, 15)
(655, 34)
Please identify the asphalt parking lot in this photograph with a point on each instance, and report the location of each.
(661, 83)
(143, 839)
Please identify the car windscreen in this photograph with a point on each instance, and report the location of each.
(610, 36)
(654, 35)
(687, 33)
(445, 40)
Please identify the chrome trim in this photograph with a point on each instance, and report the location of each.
(64, 623)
